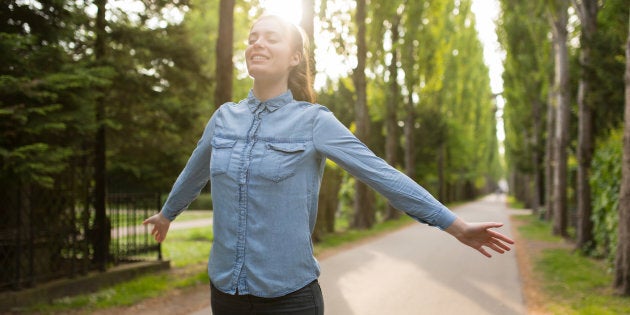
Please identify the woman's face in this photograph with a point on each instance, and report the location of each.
(270, 53)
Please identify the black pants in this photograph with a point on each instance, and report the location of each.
(305, 301)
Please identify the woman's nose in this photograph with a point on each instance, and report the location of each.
(258, 43)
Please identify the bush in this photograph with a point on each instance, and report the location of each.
(203, 202)
(605, 180)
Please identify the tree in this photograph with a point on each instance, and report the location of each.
(388, 47)
(550, 163)
(587, 12)
(558, 12)
(422, 53)
(331, 182)
(364, 216)
(48, 94)
(308, 25)
(410, 55)
(101, 225)
(622, 261)
(466, 105)
(525, 78)
(391, 119)
(224, 52)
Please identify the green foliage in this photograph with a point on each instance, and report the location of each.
(155, 107)
(609, 65)
(203, 202)
(150, 81)
(572, 283)
(605, 185)
(47, 97)
(578, 285)
(526, 77)
(523, 30)
(467, 106)
(514, 203)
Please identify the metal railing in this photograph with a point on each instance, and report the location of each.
(48, 234)
(130, 240)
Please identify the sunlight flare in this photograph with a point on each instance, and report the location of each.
(291, 10)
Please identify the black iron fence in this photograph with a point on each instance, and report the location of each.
(129, 239)
(48, 234)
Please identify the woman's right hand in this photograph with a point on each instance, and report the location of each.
(160, 226)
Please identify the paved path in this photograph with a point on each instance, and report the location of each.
(175, 225)
(421, 270)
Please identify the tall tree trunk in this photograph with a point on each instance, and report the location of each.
(622, 260)
(587, 12)
(442, 184)
(549, 156)
(364, 215)
(331, 183)
(410, 121)
(101, 230)
(561, 87)
(535, 195)
(224, 51)
(328, 202)
(308, 25)
(391, 120)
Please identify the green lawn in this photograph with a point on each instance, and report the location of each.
(186, 249)
(572, 283)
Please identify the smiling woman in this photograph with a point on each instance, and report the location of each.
(264, 157)
(291, 10)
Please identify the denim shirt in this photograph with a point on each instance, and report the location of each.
(265, 162)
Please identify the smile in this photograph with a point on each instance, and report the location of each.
(259, 58)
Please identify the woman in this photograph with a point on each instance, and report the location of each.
(265, 158)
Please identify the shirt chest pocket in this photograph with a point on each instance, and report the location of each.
(281, 160)
(221, 155)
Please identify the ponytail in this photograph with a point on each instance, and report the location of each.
(301, 76)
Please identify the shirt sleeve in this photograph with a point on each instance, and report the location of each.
(333, 140)
(193, 177)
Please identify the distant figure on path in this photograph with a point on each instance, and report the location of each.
(264, 157)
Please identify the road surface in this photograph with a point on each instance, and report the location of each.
(421, 270)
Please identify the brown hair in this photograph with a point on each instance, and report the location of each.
(300, 78)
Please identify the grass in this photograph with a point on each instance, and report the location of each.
(186, 249)
(537, 230)
(514, 203)
(188, 252)
(124, 294)
(572, 283)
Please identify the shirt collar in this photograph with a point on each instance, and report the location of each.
(271, 104)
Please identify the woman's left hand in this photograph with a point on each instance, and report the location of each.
(160, 226)
(480, 235)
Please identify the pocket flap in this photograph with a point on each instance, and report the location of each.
(287, 147)
(220, 143)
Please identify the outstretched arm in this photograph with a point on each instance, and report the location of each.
(188, 185)
(480, 235)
